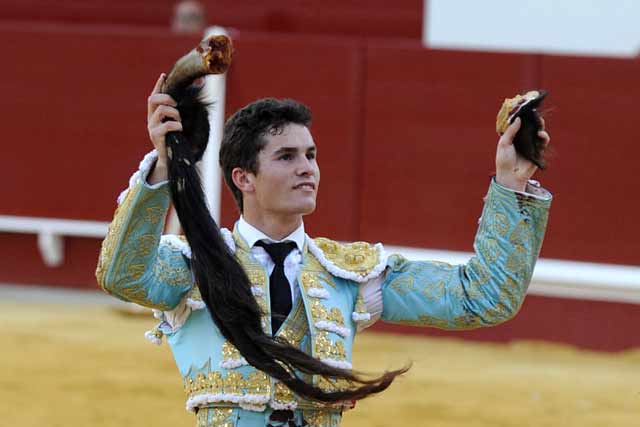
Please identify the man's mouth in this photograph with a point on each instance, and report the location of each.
(305, 186)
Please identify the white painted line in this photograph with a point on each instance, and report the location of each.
(65, 227)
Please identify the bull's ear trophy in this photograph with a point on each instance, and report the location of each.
(526, 142)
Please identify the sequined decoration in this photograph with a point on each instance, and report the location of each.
(358, 257)
(214, 417)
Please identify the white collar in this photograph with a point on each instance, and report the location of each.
(251, 235)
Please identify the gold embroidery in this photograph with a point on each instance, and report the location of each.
(327, 349)
(256, 277)
(132, 254)
(146, 243)
(336, 316)
(318, 311)
(516, 262)
(360, 307)
(500, 224)
(214, 417)
(520, 233)
(229, 352)
(113, 234)
(154, 214)
(435, 291)
(309, 280)
(489, 249)
(295, 327)
(497, 314)
(312, 264)
(256, 383)
(398, 263)
(512, 283)
(357, 257)
(425, 320)
(482, 275)
(220, 415)
(166, 270)
(403, 284)
(233, 383)
(136, 271)
(195, 294)
(468, 321)
(320, 418)
(215, 383)
(202, 417)
(282, 393)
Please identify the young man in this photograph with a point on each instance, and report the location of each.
(315, 293)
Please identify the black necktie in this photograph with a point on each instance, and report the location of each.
(279, 290)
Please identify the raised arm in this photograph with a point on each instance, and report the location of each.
(491, 287)
(135, 264)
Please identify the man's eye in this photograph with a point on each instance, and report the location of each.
(311, 156)
(285, 157)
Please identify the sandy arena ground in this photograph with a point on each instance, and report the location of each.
(84, 364)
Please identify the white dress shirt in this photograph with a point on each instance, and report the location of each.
(292, 262)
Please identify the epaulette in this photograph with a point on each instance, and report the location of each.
(357, 261)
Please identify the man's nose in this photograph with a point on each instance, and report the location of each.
(305, 167)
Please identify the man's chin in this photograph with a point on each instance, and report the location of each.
(306, 208)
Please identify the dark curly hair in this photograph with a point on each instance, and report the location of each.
(244, 133)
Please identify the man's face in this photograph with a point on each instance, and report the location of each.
(288, 174)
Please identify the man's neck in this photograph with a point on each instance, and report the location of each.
(276, 227)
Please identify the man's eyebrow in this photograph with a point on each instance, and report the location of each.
(289, 150)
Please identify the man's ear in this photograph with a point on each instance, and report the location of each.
(243, 180)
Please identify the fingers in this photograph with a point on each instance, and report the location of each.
(158, 85)
(158, 124)
(155, 90)
(510, 133)
(156, 98)
(163, 112)
(158, 133)
(544, 136)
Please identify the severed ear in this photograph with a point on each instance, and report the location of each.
(526, 142)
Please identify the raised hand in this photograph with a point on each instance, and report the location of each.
(512, 170)
(162, 117)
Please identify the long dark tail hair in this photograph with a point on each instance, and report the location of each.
(223, 283)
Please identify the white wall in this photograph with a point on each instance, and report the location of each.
(585, 27)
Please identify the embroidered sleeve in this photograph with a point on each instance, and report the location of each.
(490, 288)
(134, 265)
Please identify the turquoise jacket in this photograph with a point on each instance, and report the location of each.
(140, 265)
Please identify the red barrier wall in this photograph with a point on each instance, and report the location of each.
(333, 90)
(361, 18)
(429, 132)
(406, 142)
(593, 116)
(409, 140)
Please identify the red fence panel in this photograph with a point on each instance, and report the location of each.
(323, 73)
(430, 141)
(593, 117)
(361, 18)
